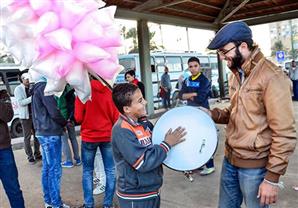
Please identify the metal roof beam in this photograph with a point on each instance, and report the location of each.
(205, 5)
(222, 12)
(164, 19)
(272, 18)
(156, 4)
(189, 12)
(234, 11)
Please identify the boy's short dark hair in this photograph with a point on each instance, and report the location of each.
(131, 73)
(192, 59)
(122, 94)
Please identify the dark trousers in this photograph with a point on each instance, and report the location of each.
(27, 132)
(295, 89)
(146, 203)
(9, 178)
(166, 100)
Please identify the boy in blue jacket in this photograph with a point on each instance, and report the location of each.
(196, 89)
(138, 161)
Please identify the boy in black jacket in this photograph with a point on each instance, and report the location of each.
(138, 161)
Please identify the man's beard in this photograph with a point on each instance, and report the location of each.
(238, 60)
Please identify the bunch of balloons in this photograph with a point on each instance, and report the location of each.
(62, 40)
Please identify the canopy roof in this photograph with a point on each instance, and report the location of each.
(208, 14)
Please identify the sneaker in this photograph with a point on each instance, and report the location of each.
(99, 189)
(78, 162)
(96, 181)
(46, 205)
(32, 161)
(64, 206)
(188, 175)
(67, 164)
(207, 171)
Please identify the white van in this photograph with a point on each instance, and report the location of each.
(177, 64)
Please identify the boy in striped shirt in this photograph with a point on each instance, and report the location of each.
(138, 161)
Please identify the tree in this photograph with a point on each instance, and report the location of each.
(278, 46)
(132, 33)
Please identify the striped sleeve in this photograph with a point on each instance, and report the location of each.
(141, 158)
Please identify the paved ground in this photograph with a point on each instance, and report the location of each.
(177, 192)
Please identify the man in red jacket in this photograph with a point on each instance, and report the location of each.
(97, 117)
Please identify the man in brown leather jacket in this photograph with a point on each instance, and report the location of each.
(8, 169)
(260, 133)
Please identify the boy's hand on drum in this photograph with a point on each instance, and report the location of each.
(175, 137)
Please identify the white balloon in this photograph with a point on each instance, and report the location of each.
(78, 78)
(201, 139)
(54, 87)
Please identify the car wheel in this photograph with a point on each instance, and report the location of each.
(16, 128)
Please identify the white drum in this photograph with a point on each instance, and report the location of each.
(201, 139)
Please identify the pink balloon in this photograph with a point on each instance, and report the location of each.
(86, 52)
(105, 16)
(87, 29)
(71, 12)
(40, 6)
(60, 39)
(105, 68)
(111, 38)
(55, 66)
(44, 48)
(48, 22)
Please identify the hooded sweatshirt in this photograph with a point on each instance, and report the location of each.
(6, 114)
(98, 115)
(46, 116)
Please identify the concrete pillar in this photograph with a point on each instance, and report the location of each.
(145, 65)
(221, 77)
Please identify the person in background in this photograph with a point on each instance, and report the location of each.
(97, 117)
(66, 105)
(293, 74)
(49, 125)
(165, 83)
(130, 77)
(195, 90)
(23, 99)
(8, 168)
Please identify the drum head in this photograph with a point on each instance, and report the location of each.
(201, 139)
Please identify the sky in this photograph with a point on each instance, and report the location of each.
(174, 38)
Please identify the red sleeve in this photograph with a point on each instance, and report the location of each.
(115, 114)
(79, 111)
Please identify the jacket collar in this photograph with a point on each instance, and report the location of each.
(252, 61)
(129, 120)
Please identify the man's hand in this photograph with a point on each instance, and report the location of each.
(267, 193)
(175, 137)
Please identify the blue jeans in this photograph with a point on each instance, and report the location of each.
(237, 184)
(51, 169)
(74, 143)
(88, 151)
(9, 178)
